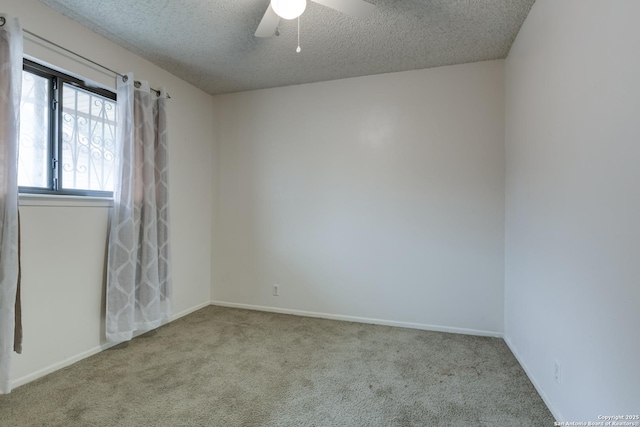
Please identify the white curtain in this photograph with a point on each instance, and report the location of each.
(10, 92)
(139, 296)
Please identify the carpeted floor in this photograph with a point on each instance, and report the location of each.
(230, 367)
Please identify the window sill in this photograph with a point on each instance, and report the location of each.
(27, 199)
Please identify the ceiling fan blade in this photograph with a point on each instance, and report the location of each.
(359, 9)
(269, 24)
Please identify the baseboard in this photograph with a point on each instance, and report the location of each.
(556, 414)
(356, 319)
(190, 310)
(78, 357)
(59, 365)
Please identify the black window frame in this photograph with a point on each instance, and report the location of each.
(57, 79)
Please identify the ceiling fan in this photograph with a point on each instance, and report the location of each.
(291, 9)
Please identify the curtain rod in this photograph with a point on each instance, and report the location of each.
(84, 57)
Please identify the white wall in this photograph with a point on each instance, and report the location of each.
(573, 204)
(63, 252)
(377, 197)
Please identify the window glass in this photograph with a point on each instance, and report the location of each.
(34, 132)
(67, 134)
(88, 140)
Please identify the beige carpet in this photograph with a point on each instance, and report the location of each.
(229, 367)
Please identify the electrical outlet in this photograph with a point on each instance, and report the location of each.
(557, 373)
(276, 290)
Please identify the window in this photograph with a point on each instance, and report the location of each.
(67, 134)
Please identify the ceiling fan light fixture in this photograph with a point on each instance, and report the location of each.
(289, 9)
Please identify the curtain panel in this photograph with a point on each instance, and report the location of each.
(139, 294)
(11, 51)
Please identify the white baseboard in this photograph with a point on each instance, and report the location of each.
(59, 365)
(556, 414)
(78, 357)
(356, 319)
(190, 310)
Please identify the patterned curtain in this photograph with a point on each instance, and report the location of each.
(10, 93)
(139, 295)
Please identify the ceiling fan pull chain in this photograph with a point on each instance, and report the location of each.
(298, 49)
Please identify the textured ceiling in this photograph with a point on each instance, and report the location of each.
(210, 43)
